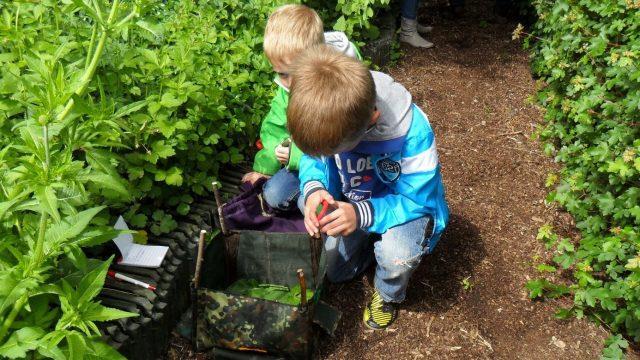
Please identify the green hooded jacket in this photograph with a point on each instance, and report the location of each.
(274, 126)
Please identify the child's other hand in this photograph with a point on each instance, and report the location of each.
(282, 154)
(342, 221)
(253, 176)
(310, 206)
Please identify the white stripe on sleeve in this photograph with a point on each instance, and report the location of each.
(311, 185)
(424, 162)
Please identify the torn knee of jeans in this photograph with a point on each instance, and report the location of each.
(408, 262)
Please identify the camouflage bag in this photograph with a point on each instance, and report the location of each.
(249, 326)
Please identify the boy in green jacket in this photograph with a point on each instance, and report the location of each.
(290, 30)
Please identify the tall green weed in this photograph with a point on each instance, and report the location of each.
(134, 106)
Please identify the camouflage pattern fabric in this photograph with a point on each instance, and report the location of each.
(249, 324)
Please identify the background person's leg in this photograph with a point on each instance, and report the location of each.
(409, 25)
(348, 256)
(409, 9)
(398, 254)
(282, 190)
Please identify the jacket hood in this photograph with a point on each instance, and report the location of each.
(339, 41)
(394, 103)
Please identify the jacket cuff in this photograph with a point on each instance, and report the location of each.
(310, 187)
(295, 155)
(364, 214)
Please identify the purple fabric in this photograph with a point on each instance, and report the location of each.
(247, 212)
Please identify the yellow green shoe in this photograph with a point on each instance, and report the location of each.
(379, 314)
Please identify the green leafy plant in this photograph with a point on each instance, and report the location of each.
(467, 284)
(110, 107)
(586, 55)
(47, 285)
(352, 17)
(178, 94)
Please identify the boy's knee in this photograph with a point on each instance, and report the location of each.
(398, 256)
(271, 194)
(281, 191)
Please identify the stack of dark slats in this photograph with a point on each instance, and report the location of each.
(146, 336)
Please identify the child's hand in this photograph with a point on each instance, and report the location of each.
(342, 221)
(310, 206)
(282, 154)
(253, 176)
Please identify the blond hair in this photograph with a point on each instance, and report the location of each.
(331, 103)
(290, 30)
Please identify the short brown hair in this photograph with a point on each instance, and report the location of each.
(332, 99)
(290, 30)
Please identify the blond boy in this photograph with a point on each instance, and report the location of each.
(290, 30)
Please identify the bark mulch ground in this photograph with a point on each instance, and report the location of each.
(467, 300)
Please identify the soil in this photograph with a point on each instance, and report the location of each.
(467, 300)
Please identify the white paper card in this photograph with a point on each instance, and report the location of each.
(149, 256)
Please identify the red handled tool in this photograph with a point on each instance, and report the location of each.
(322, 209)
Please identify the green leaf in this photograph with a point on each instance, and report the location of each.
(77, 345)
(46, 196)
(99, 312)
(71, 226)
(5, 206)
(92, 283)
(564, 314)
(77, 257)
(22, 341)
(138, 220)
(130, 108)
(13, 286)
(183, 209)
(614, 348)
(174, 176)
(169, 100)
(154, 29)
(108, 181)
(162, 150)
(88, 9)
(598, 46)
(102, 351)
(341, 24)
(545, 268)
(101, 160)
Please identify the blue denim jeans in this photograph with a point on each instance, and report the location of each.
(282, 191)
(409, 9)
(397, 254)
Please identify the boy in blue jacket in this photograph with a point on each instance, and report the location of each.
(371, 154)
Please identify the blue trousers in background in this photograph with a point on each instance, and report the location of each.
(282, 191)
(409, 9)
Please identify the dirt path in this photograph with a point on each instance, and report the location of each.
(473, 86)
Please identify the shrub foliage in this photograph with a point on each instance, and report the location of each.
(586, 54)
(130, 105)
(354, 17)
